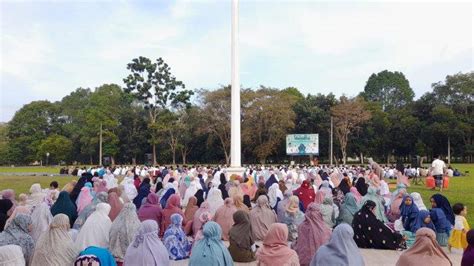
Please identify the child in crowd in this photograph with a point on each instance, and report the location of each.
(53, 191)
(458, 234)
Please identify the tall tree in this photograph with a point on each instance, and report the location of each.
(57, 147)
(348, 115)
(391, 89)
(153, 85)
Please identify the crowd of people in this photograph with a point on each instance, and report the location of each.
(287, 215)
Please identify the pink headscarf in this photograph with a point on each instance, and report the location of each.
(172, 207)
(275, 250)
(197, 224)
(335, 179)
(84, 199)
(224, 217)
(357, 195)
(151, 209)
(319, 197)
(101, 187)
(312, 234)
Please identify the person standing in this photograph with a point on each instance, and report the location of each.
(438, 168)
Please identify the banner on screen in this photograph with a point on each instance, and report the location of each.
(302, 144)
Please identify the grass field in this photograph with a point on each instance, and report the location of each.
(461, 189)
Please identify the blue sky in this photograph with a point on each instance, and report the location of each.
(50, 48)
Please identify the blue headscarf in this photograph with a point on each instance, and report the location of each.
(210, 250)
(440, 221)
(443, 203)
(165, 197)
(420, 221)
(103, 254)
(175, 239)
(408, 213)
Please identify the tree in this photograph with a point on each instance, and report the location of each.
(153, 85)
(267, 116)
(31, 124)
(216, 112)
(58, 147)
(348, 115)
(391, 89)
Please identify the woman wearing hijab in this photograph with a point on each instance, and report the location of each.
(65, 205)
(361, 186)
(261, 217)
(424, 252)
(84, 199)
(197, 223)
(215, 200)
(222, 187)
(423, 219)
(116, 205)
(327, 211)
(379, 210)
(41, 218)
(190, 191)
(312, 234)
(175, 239)
(238, 198)
(95, 231)
(151, 209)
(189, 212)
(224, 216)
(341, 249)
(89, 209)
(36, 197)
(305, 193)
(281, 206)
(369, 232)
(348, 209)
(5, 206)
(409, 212)
(293, 217)
(95, 256)
(395, 204)
(172, 206)
(344, 186)
(275, 250)
(468, 255)
(122, 232)
(166, 196)
(11, 255)
(17, 233)
(241, 238)
(418, 201)
(147, 248)
(261, 190)
(443, 226)
(356, 194)
(86, 177)
(441, 202)
(143, 192)
(274, 195)
(210, 250)
(200, 197)
(55, 246)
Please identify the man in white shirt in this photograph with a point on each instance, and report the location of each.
(437, 170)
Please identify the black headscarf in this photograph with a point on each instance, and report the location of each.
(361, 186)
(222, 188)
(5, 206)
(272, 180)
(344, 186)
(200, 197)
(247, 201)
(85, 177)
(443, 203)
(369, 232)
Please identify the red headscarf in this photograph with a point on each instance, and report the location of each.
(305, 193)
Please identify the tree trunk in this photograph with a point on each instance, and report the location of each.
(344, 156)
(90, 160)
(183, 155)
(173, 150)
(134, 161)
(154, 154)
(227, 158)
(361, 158)
(112, 160)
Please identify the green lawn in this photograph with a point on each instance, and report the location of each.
(31, 169)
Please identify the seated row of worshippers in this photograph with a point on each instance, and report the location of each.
(179, 217)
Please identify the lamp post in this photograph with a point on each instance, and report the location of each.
(47, 158)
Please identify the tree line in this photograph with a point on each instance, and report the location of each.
(153, 118)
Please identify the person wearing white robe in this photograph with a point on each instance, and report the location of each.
(11, 255)
(194, 186)
(111, 181)
(36, 197)
(215, 200)
(95, 231)
(129, 187)
(41, 218)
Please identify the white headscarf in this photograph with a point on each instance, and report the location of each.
(110, 180)
(418, 201)
(190, 191)
(274, 192)
(41, 217)
(129, 188)
(36, 197)
(55, 246)
(215, 200)
(11, 255)
(122, 231)
(95, 231)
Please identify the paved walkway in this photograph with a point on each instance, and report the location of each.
(372, 257)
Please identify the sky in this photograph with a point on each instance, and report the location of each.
(50, 48)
